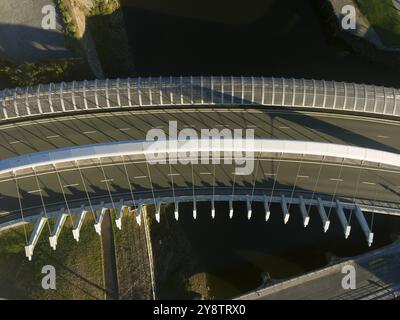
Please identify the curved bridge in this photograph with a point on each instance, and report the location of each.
(55, 164)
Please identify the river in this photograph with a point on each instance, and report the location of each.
(282, 38)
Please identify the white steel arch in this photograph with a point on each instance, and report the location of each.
(199, 146)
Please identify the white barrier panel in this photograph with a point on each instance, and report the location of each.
(25, 103)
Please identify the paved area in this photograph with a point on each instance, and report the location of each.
(22, 37)
(377, 277)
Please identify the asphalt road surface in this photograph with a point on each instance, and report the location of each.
(100, 180)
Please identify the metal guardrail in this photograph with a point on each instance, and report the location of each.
(107, 94)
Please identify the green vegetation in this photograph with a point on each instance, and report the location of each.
(106, 23)
(132, 259)
(384, 18)
(79, 266)
(176, 264)
(70, 28)
(28, 74)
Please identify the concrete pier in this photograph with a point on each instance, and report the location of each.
(343, 220)
(81, 217)
(158, 210)
(120, 211)
(266, 208)
(304, 212)
(249, 210)
(194, 209)
(364, 226)
(99, 220)
(40, 223)
(176, 212)
(230, 209)
(57, 229)
(285, 211)
(322, 213)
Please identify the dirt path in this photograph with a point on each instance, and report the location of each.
(110, 266)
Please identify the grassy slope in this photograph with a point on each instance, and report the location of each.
(384, 18)
(132, 263)
(79, 266)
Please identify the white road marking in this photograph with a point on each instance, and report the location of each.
(284, 127)
(336, 179)
(383, 137)
(205, 173)
(106, 180)
(140, 177)
(51, 137)
(304, 177)
(89, 132)
(174, 174)
(125, 129)
(35, 191)
(71, 185)
(14, 142)
(269, 174)
(369, 183)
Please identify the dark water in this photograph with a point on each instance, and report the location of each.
(285, 38)
(282, 38)
(234, 253)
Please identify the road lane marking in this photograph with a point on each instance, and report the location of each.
(369, 183)
(284, 127)
(35, 191)
(89, 132)
(52, 137)
(174, 174)
(383, 137)
(125, 129)
(14, 142)
(205, 173)
(106, 180)
(303, 177)
(71, 185)
(140, 177)
(336, 179)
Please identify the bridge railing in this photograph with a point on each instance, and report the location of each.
(80, 96)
